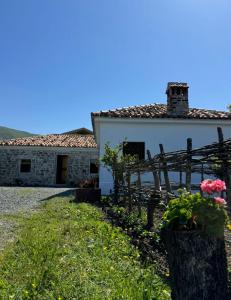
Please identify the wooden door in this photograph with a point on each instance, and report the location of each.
(62, 164)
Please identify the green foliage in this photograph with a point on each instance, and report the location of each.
(114, 160)
(191, 212)
(66, 251)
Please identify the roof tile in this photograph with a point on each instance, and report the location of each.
(54, 140)
(152, 111)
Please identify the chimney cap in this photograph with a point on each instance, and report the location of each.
(177, 84)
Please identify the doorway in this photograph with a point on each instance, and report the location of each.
(61, 171)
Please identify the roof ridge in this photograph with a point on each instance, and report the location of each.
(132, 106)
(159, 110)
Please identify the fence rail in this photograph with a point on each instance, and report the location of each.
(212, 160)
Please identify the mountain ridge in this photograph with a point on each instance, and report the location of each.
(7, 133)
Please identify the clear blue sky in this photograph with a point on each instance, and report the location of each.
(60, 60)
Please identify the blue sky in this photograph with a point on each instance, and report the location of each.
(60, 60)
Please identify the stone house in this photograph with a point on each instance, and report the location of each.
(144, 127)
(49, 160)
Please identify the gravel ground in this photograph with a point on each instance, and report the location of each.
(19, 199)
(14, 199)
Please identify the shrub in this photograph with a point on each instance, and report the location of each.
(194, 212)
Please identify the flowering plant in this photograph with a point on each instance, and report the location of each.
(88, 183)
(194, 212)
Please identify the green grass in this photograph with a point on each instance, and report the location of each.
(67, 251)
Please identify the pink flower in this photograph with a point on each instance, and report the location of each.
(207, 186)
(220, 200)
(211, 186)
(219, 185)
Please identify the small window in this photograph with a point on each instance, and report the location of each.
(94, 169)
(25, 166)
(134, 148)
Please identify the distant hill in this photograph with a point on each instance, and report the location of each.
(9, 133)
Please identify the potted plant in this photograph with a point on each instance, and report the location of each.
(193, 231)
(88, 191)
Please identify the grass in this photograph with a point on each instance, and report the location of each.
(67, 251)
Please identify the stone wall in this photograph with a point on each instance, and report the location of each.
(44, 164)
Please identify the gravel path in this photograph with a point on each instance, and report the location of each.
(19, 199)
(14, 199)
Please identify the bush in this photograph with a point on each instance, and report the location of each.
(193, 212)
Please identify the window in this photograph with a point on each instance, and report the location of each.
(94, 166)
(178, 91)
(134, 148)
(25, 166)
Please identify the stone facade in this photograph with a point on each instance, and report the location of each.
(43, 168)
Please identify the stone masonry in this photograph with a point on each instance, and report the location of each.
(44, 164)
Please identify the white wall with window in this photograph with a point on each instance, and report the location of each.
(172, 133)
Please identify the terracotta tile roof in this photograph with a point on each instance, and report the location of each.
(152, 111)
(54, 140)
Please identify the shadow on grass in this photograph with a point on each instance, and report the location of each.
(67, 193)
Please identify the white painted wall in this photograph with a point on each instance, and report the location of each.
(172, 133)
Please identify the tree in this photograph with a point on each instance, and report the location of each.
(115, 161)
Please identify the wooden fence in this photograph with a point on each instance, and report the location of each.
(209, 160)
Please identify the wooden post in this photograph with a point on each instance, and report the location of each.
(116, 187)
(202, 178)
(139, 194)
(129, 191)
(155, 174)
(224, 156)
(197, 265)
(155, 198)
(189, 166)
(221, 141)
(181, 181)
(159, 173)
(165, 169)
(152, 203)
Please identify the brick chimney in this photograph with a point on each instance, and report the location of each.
(177, 101)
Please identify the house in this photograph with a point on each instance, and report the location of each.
(49, 160)
(144, 127)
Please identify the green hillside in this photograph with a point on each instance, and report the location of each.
(9, 133)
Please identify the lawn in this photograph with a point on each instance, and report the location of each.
(68, 251)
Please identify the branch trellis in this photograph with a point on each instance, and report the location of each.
(210, 160)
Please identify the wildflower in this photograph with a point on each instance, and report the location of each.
(228, 227)
(220, 200)
(33, 285)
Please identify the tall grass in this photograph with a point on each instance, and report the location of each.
(67, 251)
